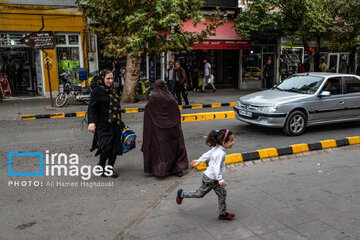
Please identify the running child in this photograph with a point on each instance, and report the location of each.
(212, 179)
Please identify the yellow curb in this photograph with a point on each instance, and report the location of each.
(28, 117)
(268, 152)
(233, 158)
(330, 143)
(196, 106)
(191, 117)
(80, 114)
(354, 140)
(57, 115)
(131, 110)
(299, 148)
(232, 104)
(216, 105)
(230, 159)
(201, 166)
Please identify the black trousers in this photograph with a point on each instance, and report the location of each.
(269, 82)
(181, 89)
(107, 154)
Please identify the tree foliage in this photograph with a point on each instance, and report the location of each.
(133, 27)
(301, 20)
(295, 19)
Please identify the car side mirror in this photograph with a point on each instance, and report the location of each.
(324, 94)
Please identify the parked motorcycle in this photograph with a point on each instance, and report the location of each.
(72, 90)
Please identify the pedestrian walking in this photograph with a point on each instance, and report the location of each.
(163, 141)
(187, 73)
(194, 73)
(211, 82)
(323, 67)
(180, 84)
(170, 77)
(104, 118)
(122, 77)
(116, 73)
(212, 179)
(207, 73)
(301, 68)
(269, 74)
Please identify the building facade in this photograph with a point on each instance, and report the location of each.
(25, 67)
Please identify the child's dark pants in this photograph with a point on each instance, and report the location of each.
(207, 185)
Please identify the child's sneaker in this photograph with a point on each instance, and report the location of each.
(178, 196)
(226, 216)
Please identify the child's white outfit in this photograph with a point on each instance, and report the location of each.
(212, 177)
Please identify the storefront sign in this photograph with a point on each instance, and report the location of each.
(40, 40)
(222, 45)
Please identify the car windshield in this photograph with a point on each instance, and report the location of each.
(300, 84)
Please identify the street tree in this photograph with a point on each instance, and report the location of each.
(347, 37)
(299, 20)
(134, 28)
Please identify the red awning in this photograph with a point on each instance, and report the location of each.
(225, 36)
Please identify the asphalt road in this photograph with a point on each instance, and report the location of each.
(48, 212)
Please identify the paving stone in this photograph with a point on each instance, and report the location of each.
(319, 231)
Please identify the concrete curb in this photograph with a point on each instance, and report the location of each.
(188, 117)
(292, 149)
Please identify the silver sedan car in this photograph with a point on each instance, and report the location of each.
(302, 100)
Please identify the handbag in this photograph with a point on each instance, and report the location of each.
(128, 139)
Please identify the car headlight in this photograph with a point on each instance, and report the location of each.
(269, 109)
(238, 104)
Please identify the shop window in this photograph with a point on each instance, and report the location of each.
(11, 39)
(269, 49)
(68, 61)
(73, 39)
(60, 39)
(251, 63)
(68, 55)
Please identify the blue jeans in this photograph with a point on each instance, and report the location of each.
(171, 86)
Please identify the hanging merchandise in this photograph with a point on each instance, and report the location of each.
(4, 85)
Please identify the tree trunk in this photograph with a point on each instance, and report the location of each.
(132, 76)
(352, 68)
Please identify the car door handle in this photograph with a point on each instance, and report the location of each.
(341, 102)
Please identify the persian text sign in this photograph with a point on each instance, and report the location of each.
(40, 40)
(222, 44)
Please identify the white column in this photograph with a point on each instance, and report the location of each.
(240, 69)
(162, 64)
(147, 67)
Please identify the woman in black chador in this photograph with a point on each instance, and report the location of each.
(104, 115)
(163, 140)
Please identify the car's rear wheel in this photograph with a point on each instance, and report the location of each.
(295, 124)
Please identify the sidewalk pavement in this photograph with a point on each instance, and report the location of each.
(14, 109)
(308, 196)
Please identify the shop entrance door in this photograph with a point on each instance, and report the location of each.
(18, 63)
(338, 62)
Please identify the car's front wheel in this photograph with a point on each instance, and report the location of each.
(295, 124)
